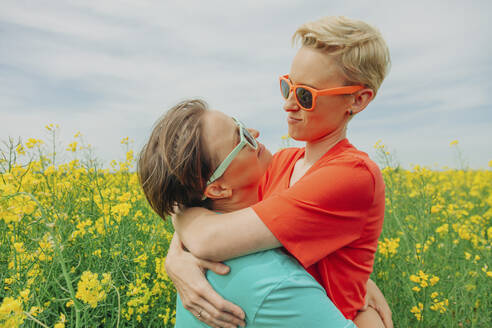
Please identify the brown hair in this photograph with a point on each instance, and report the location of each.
(174, 165)
(358, 47)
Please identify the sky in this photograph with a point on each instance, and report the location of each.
(110, 69)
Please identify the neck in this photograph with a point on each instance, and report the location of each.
(241, 198)
(317, 148)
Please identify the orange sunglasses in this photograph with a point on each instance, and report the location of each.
(306, 96)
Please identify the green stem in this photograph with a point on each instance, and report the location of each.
(59, 254)
(119, 305)
(27, 314)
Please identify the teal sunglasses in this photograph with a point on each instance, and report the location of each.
(246, 139)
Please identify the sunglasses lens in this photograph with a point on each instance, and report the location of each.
(304, 97)
(249, 138)
(284, 88)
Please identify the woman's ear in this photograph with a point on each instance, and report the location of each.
(362, 98)
(216, 190)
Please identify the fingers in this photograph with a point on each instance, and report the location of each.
(217, 267)
(210, 308)
(198, 296)
(206, 319)
(210, 314)
(388, 322)
(385, 314)
(224, 308)
(369, 319)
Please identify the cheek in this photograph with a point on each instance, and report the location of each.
(248, 166)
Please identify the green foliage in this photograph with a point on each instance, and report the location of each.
(80, 247)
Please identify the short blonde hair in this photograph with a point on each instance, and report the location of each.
(356, 46)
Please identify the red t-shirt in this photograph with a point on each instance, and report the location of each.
(330, 219)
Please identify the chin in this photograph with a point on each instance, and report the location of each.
(267, 157)
(298, 137)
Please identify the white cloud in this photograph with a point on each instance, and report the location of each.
(111, 68)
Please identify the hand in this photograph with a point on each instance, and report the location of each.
(188, 275)
(375, 299)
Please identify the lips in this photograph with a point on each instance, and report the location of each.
(292, 120)
(260, 149)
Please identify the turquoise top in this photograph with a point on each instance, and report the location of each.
(274, 291)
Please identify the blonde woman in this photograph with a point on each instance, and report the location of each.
(324, 202)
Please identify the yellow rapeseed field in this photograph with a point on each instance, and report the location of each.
(80, 247)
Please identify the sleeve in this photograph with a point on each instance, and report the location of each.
(299, 302)
(322, 212)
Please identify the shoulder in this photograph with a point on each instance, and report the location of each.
(298, 301)
(265, 273)
(264, 270)
(351, 160)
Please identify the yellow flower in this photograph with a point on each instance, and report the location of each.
(160, 268)
(20, 149)
(453, 143)
(379, 144)
(72, 147)
(106, 279)
(25, 295)
(414, 278)
(444, 229)
(129, 155)
(11, 312)
(440, 306)
(61, 321)
(19, 247)
(89, 289)
(417, 311)
(388, 247)
(31, 142)
(434, 280)
(50, 170)
(35, 310)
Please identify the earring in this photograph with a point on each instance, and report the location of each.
(350, 113)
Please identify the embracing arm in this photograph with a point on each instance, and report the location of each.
(303, 216)
(220, 237)
(375, 302)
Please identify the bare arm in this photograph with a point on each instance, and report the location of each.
(220, 237)
(376, 312)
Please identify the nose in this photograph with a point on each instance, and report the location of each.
(255, 133)
(290, 104)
